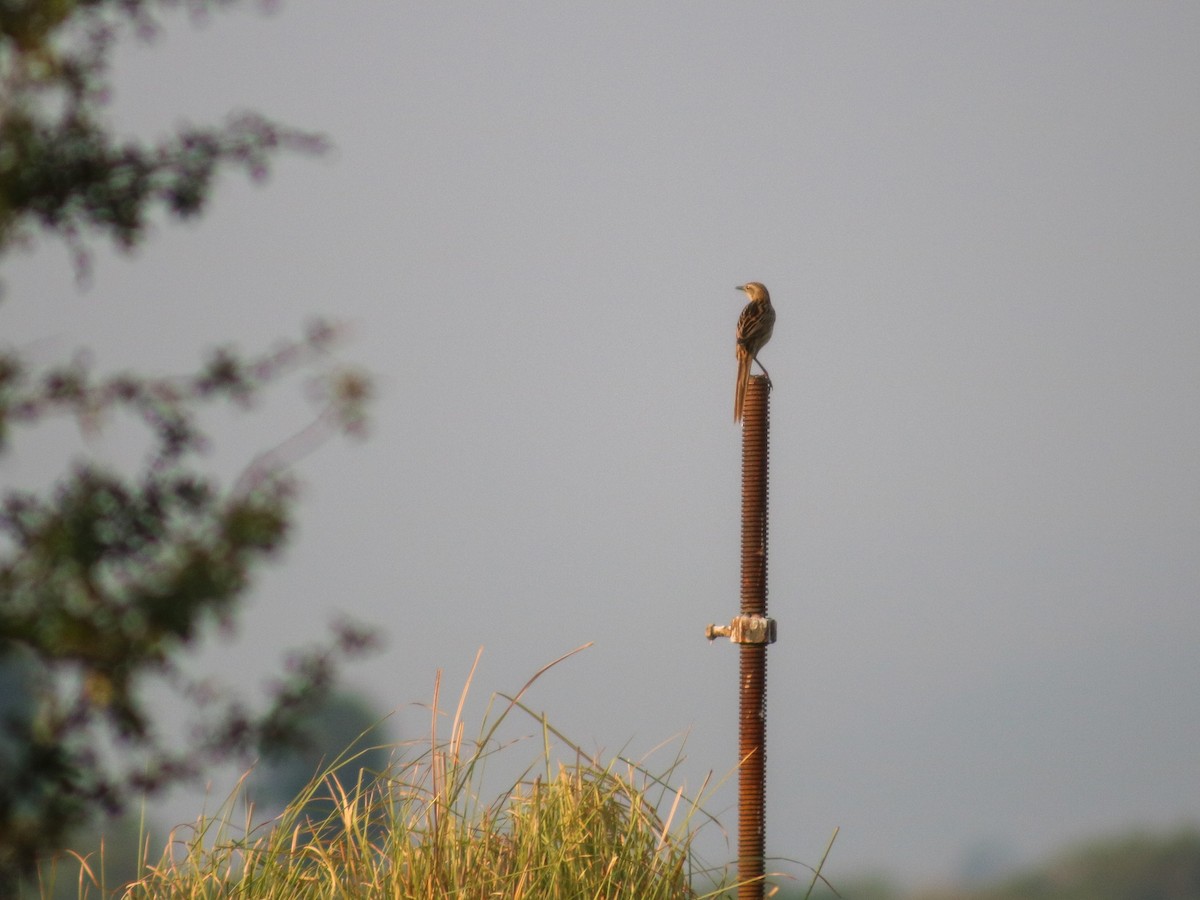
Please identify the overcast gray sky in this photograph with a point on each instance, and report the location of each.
(980, 224)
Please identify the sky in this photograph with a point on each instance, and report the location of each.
(980, 226)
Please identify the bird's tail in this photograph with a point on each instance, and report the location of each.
(743, 378)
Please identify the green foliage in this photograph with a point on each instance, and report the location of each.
(61, 168)
(105, 579)
(1133, 867)
(107, 576)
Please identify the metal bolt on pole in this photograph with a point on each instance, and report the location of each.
(752, 630)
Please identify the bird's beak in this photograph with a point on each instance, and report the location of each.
(740, 287)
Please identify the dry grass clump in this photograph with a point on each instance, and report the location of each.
(420, 830)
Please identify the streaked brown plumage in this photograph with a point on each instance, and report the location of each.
(754, 328)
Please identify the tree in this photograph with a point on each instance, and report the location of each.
(106, 576)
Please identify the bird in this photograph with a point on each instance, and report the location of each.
(754, 328)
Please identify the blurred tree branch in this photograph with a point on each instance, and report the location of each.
(106, 577)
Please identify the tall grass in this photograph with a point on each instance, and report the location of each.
(579, 828)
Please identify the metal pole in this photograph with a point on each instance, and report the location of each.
(752, 630)
(752, 693)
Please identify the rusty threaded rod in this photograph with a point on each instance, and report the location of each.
(752, 696)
